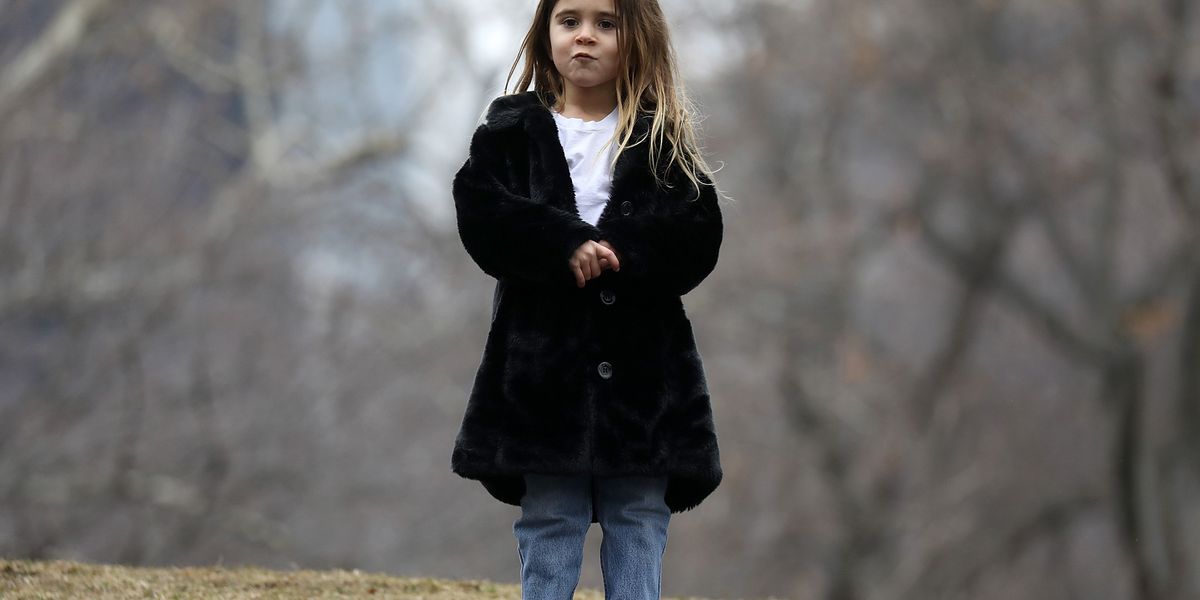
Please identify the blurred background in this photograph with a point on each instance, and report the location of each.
(953, 339)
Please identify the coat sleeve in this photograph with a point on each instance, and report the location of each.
(668, 250)
(510, 236)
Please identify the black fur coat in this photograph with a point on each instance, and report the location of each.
(604, 379)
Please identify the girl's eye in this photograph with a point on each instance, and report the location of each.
(604, 24)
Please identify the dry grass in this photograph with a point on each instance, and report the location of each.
(29, 580)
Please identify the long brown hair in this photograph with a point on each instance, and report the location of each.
(648, 81)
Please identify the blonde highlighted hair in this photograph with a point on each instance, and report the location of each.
(648, 81)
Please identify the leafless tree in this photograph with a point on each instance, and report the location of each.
(952, 340)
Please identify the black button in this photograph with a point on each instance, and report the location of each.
(607, 297)
(605, 369)
(626, 208)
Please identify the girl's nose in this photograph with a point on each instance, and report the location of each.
(584, 35)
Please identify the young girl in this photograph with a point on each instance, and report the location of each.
(588, 201)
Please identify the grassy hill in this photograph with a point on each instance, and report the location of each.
(46, 580)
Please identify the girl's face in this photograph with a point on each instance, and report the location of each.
(583, 42)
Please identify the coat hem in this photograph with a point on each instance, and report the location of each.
(686, 489)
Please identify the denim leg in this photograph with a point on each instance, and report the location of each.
(633, 515)
(556, 512)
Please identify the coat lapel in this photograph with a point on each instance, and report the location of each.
(524, 108)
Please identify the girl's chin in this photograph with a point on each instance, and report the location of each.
(588, 82)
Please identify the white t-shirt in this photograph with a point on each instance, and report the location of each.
(590, 171)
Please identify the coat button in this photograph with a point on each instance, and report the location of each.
(605, 369)
(626, 208)
(607, 297)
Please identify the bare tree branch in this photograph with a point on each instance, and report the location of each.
(1171, 115)
(250, 63)
(171, 35)
(45, 56)
(1076, 344)
(1156, 281)
(1099, 71)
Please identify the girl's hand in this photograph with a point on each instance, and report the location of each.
(609, 246)
(590, 259)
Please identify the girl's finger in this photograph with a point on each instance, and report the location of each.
(611, 257)
(584, 270)
(593, 268)
(579, 279)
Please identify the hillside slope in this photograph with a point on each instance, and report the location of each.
(46, 580)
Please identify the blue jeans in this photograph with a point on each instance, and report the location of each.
(556, 513)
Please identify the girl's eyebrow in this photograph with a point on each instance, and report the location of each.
(572, 11)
